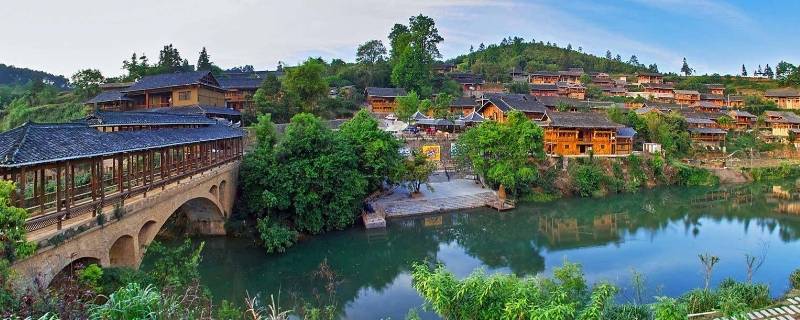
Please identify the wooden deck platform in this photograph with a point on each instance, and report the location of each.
(373, 220)
(501, 204)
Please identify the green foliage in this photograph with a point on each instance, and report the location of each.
(266, 135)
(669, 130)
(376, 150)
(414, 49)
(628, 312)
(500, 296)
(731, 298)
(408, 105)
(228, 311)
(503, 153)
(785, 170)
(794, 279)
(587, 178)
(20, 111)
(91, 275)
(669, 309)
(130, 302)
(700, 300)
(656, 164)
(306, 82)
(114, 278)
(519, 87)
(87, 82)
(275, 237)
(13, 241)
(693, 176)
(417, 170)
(175, 267)
(636, 176)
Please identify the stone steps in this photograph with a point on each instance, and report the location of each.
(422, 206)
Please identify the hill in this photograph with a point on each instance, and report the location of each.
(496, 60)
(14, 76)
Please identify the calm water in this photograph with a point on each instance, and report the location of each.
(658, 233)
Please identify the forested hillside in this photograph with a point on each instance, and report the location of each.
(14, 76)
(496, 60)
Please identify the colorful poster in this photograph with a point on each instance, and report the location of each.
(434, 153)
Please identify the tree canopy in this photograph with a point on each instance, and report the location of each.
(414, 50)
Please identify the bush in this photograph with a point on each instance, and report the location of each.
(129, 302)
(118, 212)
(669, 309)
(101, 219)
(91, 275)
(693, 176)
(794, 279)
(754, 296)
(114, 278)
(783, 171)
(699, 300)
(587, 179)
(628, 312)
(275, 237)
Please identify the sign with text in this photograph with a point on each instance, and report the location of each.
(434, 153)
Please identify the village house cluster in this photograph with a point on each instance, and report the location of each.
(575, 125)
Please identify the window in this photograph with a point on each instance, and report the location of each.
(184, 95)
(566, 147)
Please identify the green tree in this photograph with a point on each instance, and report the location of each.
(175, 267)
(519, 87)
(503, 153)
(371, 52)
(407, 105)
(685, 69)
(417, 171)
(204, 61)
(87, 82)
(169, 59)
(13, 242)
(744, 71)
(307, 83)
(414, 49)
(377, 151)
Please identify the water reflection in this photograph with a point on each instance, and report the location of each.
(659, 233)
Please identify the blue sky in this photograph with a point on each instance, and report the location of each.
(714, 35)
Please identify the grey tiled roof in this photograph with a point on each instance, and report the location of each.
(464, 102)
(109, 118)
(466, 78)
(198, 109)
(708, 96)
(34, 143)
(522, 102)
(707, 130)
(580, 120)
(552, 102)
(544, 86)
(240, 83)
(782, 92)
(626, 132)
(385, 92)
(167, 80)
(109, 96)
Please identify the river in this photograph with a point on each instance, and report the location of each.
(658, 233)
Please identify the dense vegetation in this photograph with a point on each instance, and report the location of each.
(14, 76)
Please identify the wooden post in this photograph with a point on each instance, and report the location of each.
(42, 191)
(58, 187)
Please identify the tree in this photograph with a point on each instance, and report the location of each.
(685, 68)
(407, 106)
(440, 107)
(618, 58)
(768, 72)
(653, 68)
(501, 153)
(371, 52)
(270, 99)
(204, 61)
(377, 151)
(519, 87)
(608, 55)
(13, 243)
(633, 60)
(307, 83)
(744, 71)
(783, 69)
(87, 82)
(417, 170)
(414, 49)
(169, 59)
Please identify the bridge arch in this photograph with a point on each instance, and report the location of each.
(223, 190)
(123, 252)
(70, 269)
(147, 233)
(214, 191)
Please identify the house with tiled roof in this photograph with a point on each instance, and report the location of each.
(543, 77)
(383, 100)
(742, 119)
(735, 101)
(572, 75)
(544, 90)
(786, 98)
(716, 99)
(471, 84)
(573, 90)
(582, 133)
(781, 123)
(496, 106)
(649, 77)
(687, 96)
(239, 92)
(715, 88)
(463, 105)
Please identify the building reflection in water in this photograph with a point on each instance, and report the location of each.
(566, 231)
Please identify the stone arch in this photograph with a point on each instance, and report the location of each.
(123, 252)
(70, 269)
(147, 232)
(223, 191)
(214, 191)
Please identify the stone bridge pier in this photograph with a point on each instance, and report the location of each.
(205, 199)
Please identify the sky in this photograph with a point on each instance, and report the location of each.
(715, 36)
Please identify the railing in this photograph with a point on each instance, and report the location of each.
(93, 206)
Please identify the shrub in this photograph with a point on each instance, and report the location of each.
(693, 176)
(129, 302)
(699, 300)
(669, 309)
(754, 296)
(118, 212)
(794, 279)
(275, 237)
(586, 179)
(656, 164)
(114, 278)
(101, 219)
(628, 312)
(91, 275)
(175, 267)
(783, 171)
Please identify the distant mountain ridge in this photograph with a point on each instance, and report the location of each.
(11, 75)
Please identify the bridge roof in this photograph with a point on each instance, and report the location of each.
(198, 109)
(38, 143)
(112, 118)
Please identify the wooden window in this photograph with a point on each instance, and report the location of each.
(184, 95)
(566, 146)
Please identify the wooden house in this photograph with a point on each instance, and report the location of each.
(624, 143)
(735, 101)
(716, 99)
(704, 131)
(496, 106)
(649, 77)
(563, 103)
(715, 88)
(176, 90)
(471, 84)
(111, 101)
(706, 106)
(544, 77)
(687, 97)
(742, 119)
(663, 92)
(444, 68)
(383, 100)
(581, 133)
(786, 98)
(518, 75)
(463, 105)
(544, 90)
(239, 93)
(571, 90)
(781, 123)
(573, 75)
